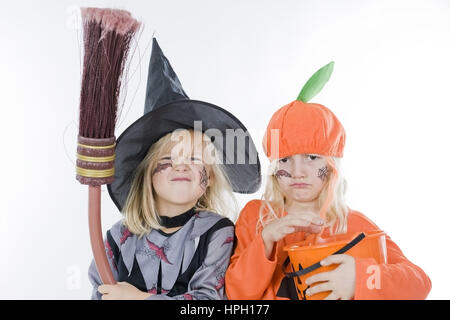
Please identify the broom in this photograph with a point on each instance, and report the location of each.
(107, 36)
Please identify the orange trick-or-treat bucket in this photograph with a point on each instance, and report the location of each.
(305, 256)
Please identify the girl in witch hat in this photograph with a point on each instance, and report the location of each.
(304, 196)
(175, 172)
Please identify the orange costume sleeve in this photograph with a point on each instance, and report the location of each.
(252, 276)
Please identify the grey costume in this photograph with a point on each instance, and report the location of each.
(187, 264)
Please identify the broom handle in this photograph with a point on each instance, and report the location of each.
(95, 232)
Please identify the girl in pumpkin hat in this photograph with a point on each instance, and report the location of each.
(173, 183)
(304, 196)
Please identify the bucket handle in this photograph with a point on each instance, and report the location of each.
(317, 265)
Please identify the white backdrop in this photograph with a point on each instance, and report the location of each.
(389, 89)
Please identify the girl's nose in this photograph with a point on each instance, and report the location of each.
(180, 166)
(298, 170)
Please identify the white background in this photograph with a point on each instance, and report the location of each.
(390, 89)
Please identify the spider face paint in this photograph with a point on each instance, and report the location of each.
(282, 173)
(322, 173)
(204, 178)
(160, 167)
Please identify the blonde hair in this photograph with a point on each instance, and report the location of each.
(140, 213)
(331, 199)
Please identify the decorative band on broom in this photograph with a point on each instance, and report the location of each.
(107, 37)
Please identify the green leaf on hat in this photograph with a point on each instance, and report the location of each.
(316, 83)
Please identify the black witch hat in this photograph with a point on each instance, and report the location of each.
(167, 108)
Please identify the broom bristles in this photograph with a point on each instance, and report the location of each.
(116, 20)
(107, 38)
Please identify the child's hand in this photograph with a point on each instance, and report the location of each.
(121, 291)
(279, 228)
(340, 281)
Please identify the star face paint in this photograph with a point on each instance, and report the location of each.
(282, 173)
(322, 173)
(160, 167)
(204, 178)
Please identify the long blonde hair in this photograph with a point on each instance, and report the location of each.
(140, 213)
(331, 199)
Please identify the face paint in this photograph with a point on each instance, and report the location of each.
(282, 173)
(160, 167)
(204, 179)
(322, 173)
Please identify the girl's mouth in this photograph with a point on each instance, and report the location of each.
(181, 179)
(299, 185)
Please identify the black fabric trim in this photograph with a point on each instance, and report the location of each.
(159, 284)
(182, 282)
(135, 278)
(166, 234)
(235, 244)
(177, 221)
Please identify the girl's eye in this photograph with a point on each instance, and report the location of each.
(312, 157)
(284, 160)
(196, 160)
(161, 166)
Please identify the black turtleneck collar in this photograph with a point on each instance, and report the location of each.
(177, 221)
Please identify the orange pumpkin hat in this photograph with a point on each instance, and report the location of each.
(301, 127)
